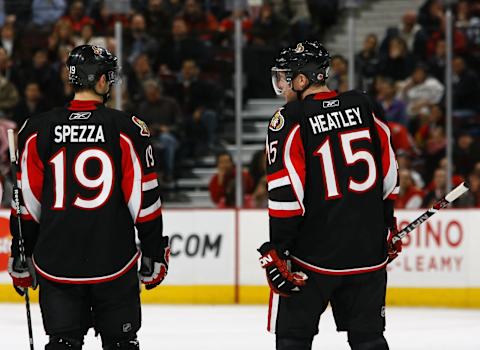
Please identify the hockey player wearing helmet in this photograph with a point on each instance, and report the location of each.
(332, 178)
(89, 179)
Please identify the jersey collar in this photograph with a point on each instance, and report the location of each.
(87, 105)
(323, 95)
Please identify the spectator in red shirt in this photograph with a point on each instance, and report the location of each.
(222, 184)
(410, 197)
(77, 17)
(401, 139)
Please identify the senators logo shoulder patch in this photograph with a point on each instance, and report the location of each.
(144, 131)
(277, 122)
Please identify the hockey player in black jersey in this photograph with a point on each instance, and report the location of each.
(332, 178)
(88, 179)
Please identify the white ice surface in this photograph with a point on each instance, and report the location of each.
(243, 328)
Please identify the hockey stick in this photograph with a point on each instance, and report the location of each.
(21, 242)
(442, 203)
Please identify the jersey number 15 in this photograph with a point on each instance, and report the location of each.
(351, 158)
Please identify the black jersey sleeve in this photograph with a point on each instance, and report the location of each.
(285, 177)
(30, 181)
(140, 185)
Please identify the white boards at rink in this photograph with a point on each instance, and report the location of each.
(214, 259)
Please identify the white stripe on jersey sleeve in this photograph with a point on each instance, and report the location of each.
(274, 205)
(280, 182)
(151, 209)
(149, 185)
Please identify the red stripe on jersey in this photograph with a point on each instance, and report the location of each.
(384, 142)
(127, 170)
(32, 177)
(132, 176)
(392, 196)
(294, 162)
(92, 280)
(35, 169)
(149, 177)
(277, 175)
(285, 213)
(355, 271)
(389, 163)
(325, 95)
(89, 105)
(151, 216)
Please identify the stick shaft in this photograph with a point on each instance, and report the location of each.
(21, 242)
(442, 203)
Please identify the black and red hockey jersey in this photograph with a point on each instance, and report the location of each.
(88, 178)
(332, 175)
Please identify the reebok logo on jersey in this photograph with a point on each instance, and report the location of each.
(331, 103)
(144, 131)
(80, 116)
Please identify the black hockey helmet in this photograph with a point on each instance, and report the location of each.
(87, 63)
(307, 57)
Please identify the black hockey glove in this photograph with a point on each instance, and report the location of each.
(153, 270)
(23, 276)
(281, 280)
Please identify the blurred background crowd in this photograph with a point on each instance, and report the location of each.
(177, 75)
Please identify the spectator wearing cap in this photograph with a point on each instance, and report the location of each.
(420, 90)
(410, 196)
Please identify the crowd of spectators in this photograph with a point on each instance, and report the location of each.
(178, 67)
(178, 60)
(404, 72)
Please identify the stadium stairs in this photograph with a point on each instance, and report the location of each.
(373, 16)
